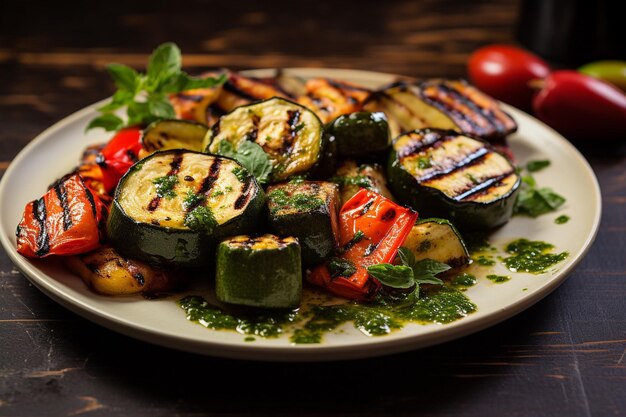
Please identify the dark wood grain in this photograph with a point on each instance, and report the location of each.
(566, 356)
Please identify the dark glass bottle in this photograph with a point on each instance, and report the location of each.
(573, 32)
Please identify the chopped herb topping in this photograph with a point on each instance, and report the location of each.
(339, 267)
(192, 200)
(240, 173)
(424, 162)
(498, 279)
(299, 201)
(201, 219)
(357, 180)
(534, 166)
(165, 186)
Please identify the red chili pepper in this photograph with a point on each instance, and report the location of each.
(581, 106)
(69, 219)
(371, 230)
(119, 155)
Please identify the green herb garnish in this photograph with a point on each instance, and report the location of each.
(357, 180)
(534, 166)
(201, 219)
(145, 96)
(193, 200)
(339, 267)
(165, 186)
(533, 201)
(251, 155)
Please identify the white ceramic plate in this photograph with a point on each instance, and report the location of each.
(57, 150)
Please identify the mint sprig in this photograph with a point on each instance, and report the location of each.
(145, 96)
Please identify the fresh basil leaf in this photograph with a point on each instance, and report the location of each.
(160, 106)
(252, 156)
(125, 78)
(529, 180)
(534, 166)
(164, 63)
(184, 82)
(534, 203)
(425, 271)
(394, 276)
(108, 122)
(120, 99)
(138, 113)
(406, 256)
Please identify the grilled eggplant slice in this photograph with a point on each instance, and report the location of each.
(360, 133)
(307, 210)
(439, 240)
(444, 174)
(260, 272)
(109, 273)
(164, 135)
(174, 206)
(240, 91)
(330, 99)
(291, 135)
(442, 104)
(352, 177)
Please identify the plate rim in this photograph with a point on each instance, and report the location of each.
(373, 346)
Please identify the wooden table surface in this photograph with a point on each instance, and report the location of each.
(565, 356)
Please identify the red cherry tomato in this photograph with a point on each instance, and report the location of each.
(578, 105)
(504, 72)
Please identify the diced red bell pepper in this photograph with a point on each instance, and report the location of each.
(371, 229)
(118, 156)
(69, 219)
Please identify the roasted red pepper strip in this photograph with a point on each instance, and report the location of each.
(118, 156)
(69, 219)
(371, 229)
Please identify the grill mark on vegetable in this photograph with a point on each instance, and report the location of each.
(488, 117)
(245, 194)
(487, 112)
(61, 193)
(366, 207)
(471, 159)
(429, 140)
(458, 116)
(484, 184)
(216, 128)
(43, 238)
(233, 88)
(493, 185)
(135, 272)
(91, 200)
(207, 183)
(196, 98)
(252, 134)
(388, 215)
(175, 165)
(293, 117)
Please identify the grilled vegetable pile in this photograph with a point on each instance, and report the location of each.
(194, 188)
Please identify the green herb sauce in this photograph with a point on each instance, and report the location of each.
(165, 186)
(356, 180)
(531, 256)
(192, 200)
(561, 219)
(498, 279)
(240, 173)
(463, 281)
(298, 201)
(313, 320)
(201, 219)
(483, 260)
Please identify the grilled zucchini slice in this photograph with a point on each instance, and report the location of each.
(307, 210)
(330, 99)
(352, 177)
(107, 272)
(444, 174)
(164, 135)
(360, 133)
(291, 135)
(174, 206)
(442, 104)
(439, 240)
(261, 272)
